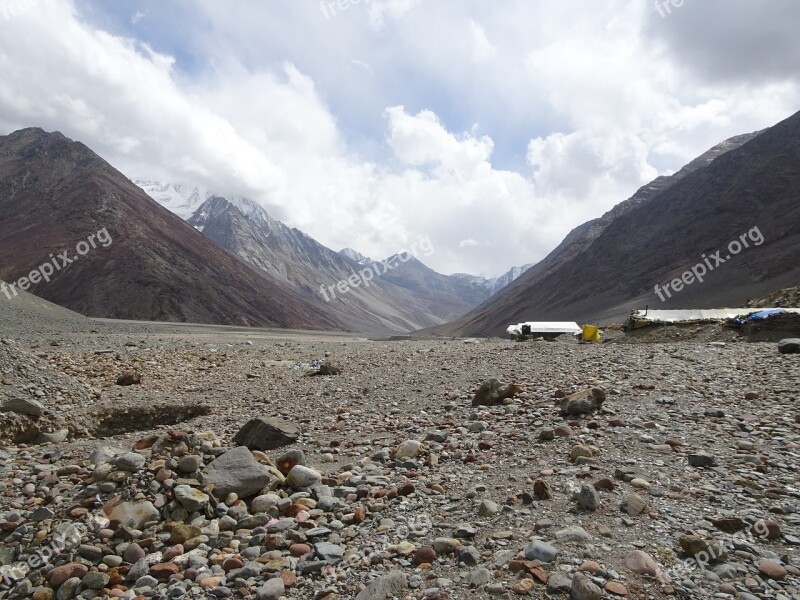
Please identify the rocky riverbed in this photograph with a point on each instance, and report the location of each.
(638, 470)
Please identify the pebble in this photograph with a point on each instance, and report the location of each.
(541, 551)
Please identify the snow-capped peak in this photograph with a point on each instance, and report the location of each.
(356, 256)
(179, 198)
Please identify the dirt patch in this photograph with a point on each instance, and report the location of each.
(113, 421)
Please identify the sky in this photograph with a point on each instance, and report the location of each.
(489, 128)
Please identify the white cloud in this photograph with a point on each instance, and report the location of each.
(482, 48)
(390, 121)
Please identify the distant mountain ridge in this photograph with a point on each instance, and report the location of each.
(392, 302)
(409, 297)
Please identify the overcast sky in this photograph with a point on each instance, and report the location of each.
(491, 126)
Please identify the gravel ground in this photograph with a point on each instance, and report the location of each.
(692, 448)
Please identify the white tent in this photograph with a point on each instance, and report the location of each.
(539, 327)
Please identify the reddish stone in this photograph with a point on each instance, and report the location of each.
(232, 563)
(164, 570)
(288, 578)
(406, 489)
(299, 550)
(60, 574)
(173, 552)
(423, 555)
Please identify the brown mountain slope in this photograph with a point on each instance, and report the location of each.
(56, 193)
(609, 266)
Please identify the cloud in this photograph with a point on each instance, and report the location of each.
(731, 41)
(400, 119)
(482, 48)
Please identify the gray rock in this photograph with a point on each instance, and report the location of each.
(558, 583)
(273, 589)
(237, 472)
(789, 346)
(702, 459)
(573, 534)
(190, 498)
(146, 581)
(130, 461)
(385, 587)
(633, 505)
(480, 577)
(408, 449)
(190, 463)
(268, 503)
(68, 589)
(588, 498)
(103, 455)
(541, 551)
(301, 477)
(266, 434)
(95, 581)
(22, 406)
(41, 514)
(583, 589)
(329, 552)
(488, 508)
(470, 556)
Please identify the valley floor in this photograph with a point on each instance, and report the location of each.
(455, 515)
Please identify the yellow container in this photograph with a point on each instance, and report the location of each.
(591, 333)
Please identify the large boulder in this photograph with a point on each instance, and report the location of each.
(237, 472)
(266, 434)
(22, 406)
(789, 346)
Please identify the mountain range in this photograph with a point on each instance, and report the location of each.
(178, 252)
(407, 297)
(231, 263)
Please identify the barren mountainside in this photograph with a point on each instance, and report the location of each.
(56, 193)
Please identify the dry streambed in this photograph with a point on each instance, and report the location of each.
(613, 470)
